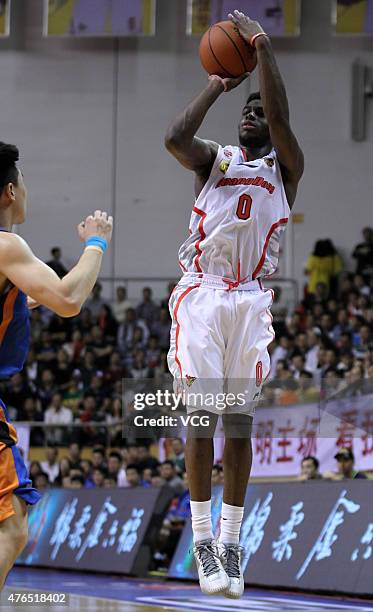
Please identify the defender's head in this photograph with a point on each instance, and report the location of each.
(13, 193)
(253, 128)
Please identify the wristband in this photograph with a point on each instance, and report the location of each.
(253, 38)
(97, 242)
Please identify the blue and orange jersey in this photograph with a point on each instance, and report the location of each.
(14, 332)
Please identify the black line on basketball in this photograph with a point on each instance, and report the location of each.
(232, 76)
(232, 41)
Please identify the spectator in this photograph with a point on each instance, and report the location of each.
(133, 476)
(42, 482)
(168, 473)
(86, 468)
(345, 460)
(98, 477)
(51, 466)
(161, 328)
(57, 414)
(46, 388)
(144, 458)
(110, 482)
(310, 469)
(76, 481)
(363, 253)
(121, 305)
(179, 455)
(95, 302)
(74, 455)
(114, 464)
(55, 262)
(98, 457)
(64, 471)
(107, 323)
(323, 266)
(126, 331)
(63, 370)
(147, 310)
(100, 346)
(34, 470)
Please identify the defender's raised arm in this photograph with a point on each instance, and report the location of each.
(67, 295)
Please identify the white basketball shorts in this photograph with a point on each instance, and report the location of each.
(219, 342)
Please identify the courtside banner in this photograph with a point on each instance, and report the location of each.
(93, 529)
(310, 535)
(284, 435)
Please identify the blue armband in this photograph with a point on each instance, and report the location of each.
(97, 241)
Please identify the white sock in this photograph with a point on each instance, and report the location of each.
(201, 520)
(230, 525)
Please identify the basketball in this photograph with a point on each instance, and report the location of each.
(223, 51)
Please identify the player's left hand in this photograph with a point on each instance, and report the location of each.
(247, 27)
(228, 83)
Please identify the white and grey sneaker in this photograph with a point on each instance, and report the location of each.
(230, 556)
(212, 577)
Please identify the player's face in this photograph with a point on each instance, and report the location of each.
(253, 128)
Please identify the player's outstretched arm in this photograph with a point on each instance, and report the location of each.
(67, 295)
(274, 99)
(181, 140)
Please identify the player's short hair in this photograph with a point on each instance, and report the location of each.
(9, 156)
(253, 96)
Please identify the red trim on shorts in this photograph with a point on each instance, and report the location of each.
(202, 236)
(270, 325)
(176, 309)
(182, 267)
(262, 259)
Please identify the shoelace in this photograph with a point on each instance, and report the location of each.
(232, 560)
(207, 557)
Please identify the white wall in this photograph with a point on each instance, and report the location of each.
(57, 101)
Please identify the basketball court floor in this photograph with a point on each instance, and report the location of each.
(97, 592)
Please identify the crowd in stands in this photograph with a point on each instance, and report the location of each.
(326, 344)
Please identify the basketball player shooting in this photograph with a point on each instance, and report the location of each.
(25, 282)
(221, 320)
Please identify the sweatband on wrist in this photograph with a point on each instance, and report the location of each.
(253, 38)
(97, 241)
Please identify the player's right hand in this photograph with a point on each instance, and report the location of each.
(98, 224)
(228, 83)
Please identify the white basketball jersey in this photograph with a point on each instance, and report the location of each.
(237, 219)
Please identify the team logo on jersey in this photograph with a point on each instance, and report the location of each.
(190, 380)
(269, 161)
(227, 153)
(224, 165)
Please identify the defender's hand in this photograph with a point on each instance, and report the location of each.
(98, 224)
(247, 27)
(228, 83)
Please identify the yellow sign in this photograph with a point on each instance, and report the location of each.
(99, 17)
(353, 17)
(281, 18)
(4, 17)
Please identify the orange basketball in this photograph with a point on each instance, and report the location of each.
(223, 51)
